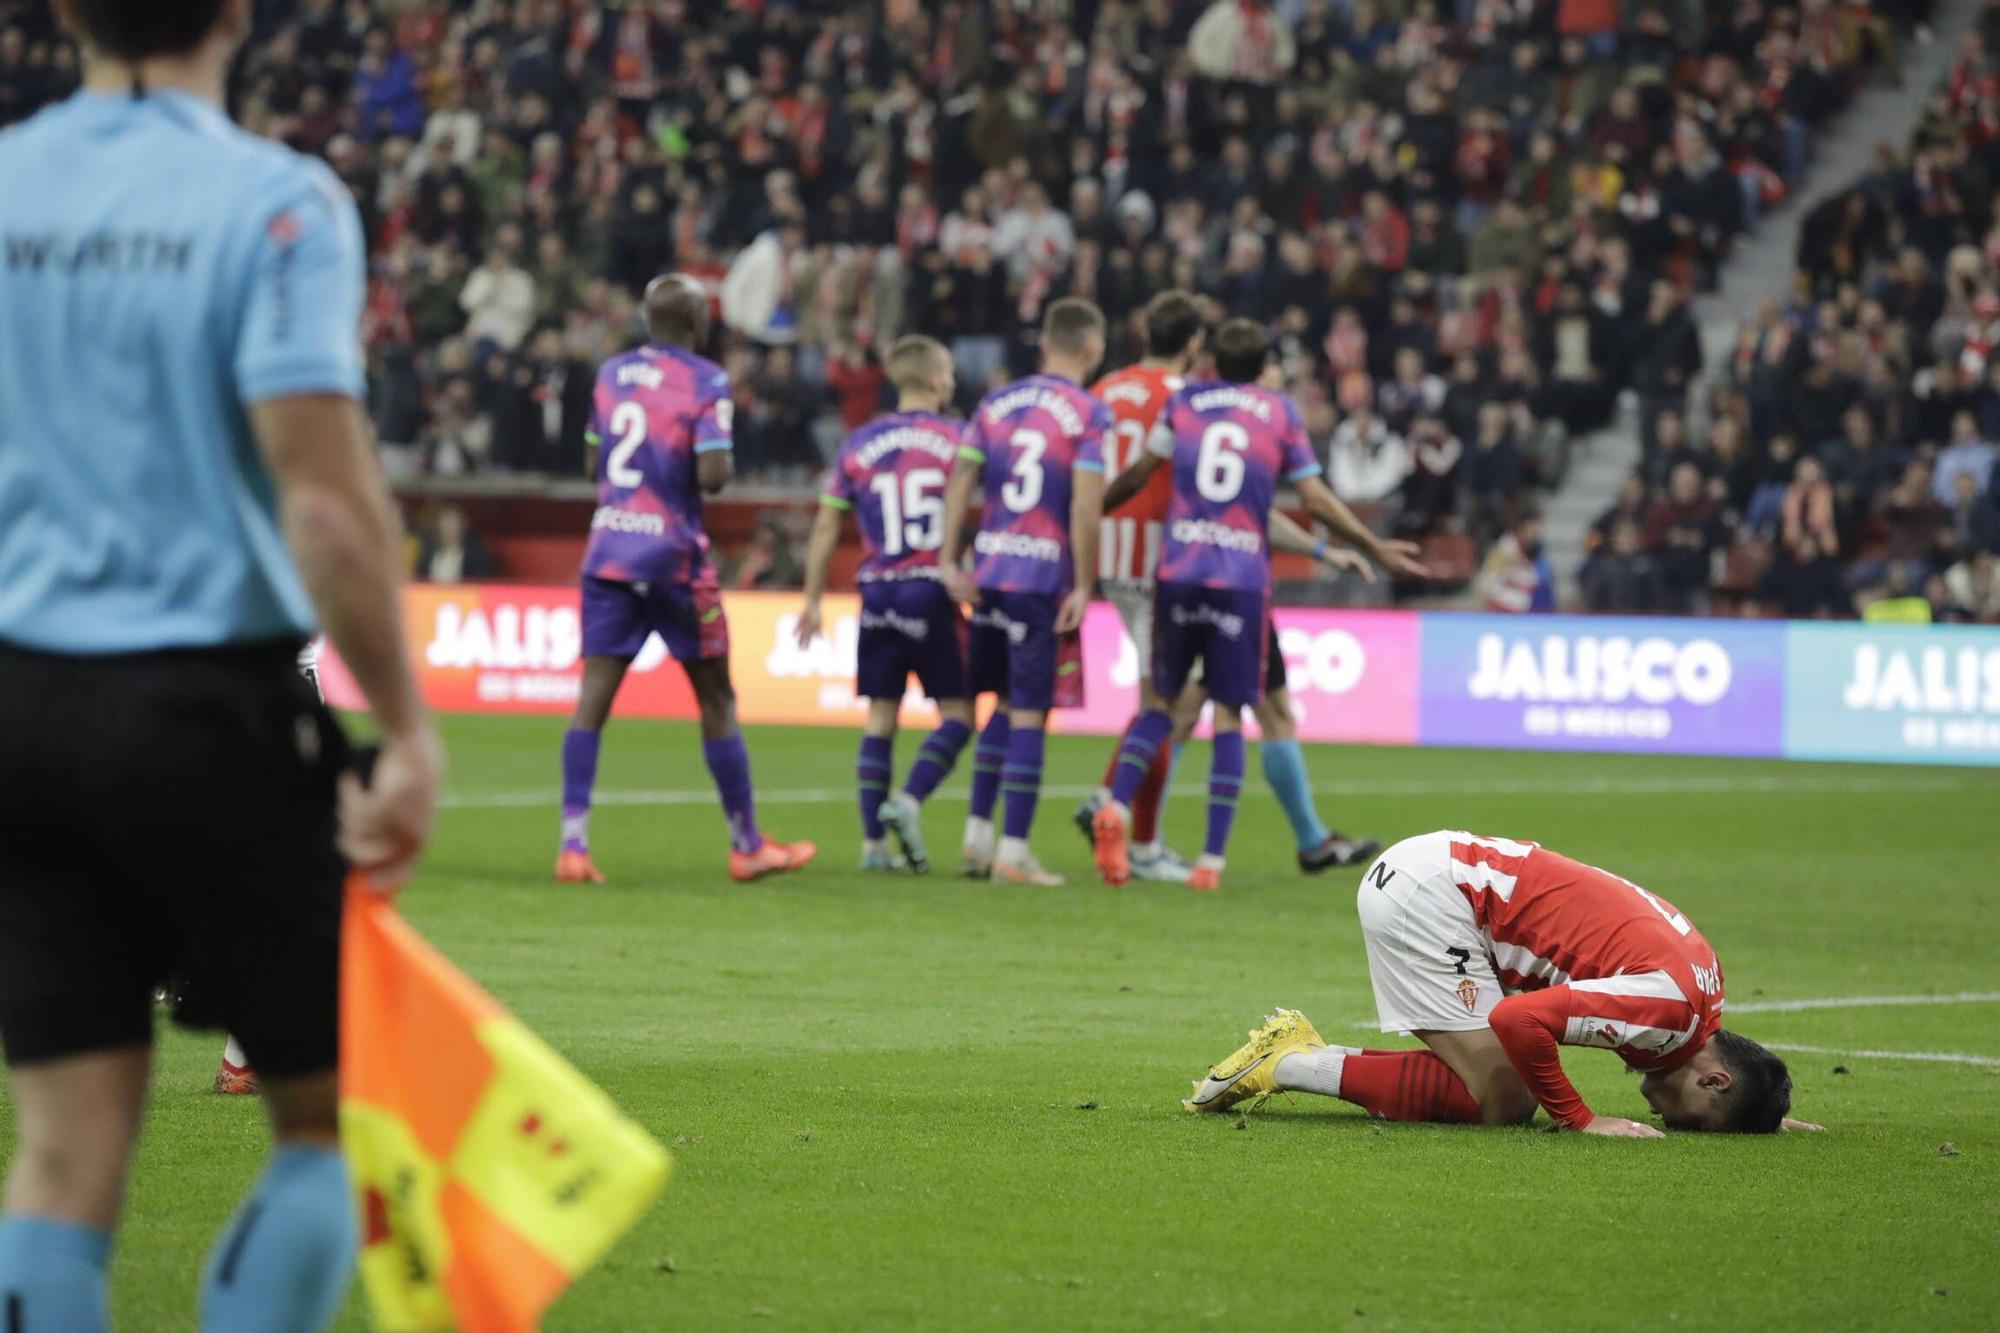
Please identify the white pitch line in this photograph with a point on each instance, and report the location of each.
(1860, 1002)
(1468, 787)
(1929, 1057)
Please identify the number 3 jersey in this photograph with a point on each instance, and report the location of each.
(656, 410)
(892, 474)
(1228, 445)
(1030, 437)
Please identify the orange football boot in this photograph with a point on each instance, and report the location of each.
(1205, 879)
(573, 867)
(773, 858)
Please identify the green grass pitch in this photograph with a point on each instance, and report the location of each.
(926, 1103)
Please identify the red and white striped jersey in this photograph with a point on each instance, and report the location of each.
(1129, 545)
(1589, 959)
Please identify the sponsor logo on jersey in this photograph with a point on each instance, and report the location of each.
(610, 518)
(1207, 532)
(910, 627)
(1020, 544)
(1228, 622)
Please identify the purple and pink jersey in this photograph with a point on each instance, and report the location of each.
(892, 474)
(1031, 437)
(656, 409)
(1229, 445)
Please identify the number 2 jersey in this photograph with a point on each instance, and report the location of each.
(656, 409)
(1129, 549)
(1030, 437)
(892, 473)
(1594, 959)
(1228, 445)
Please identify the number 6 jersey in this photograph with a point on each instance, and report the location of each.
(1228, 445)
(892, 474)
(1030, 437)
(655, 410)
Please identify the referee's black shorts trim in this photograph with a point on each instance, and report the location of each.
(167, 821)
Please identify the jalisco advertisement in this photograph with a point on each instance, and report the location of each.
(1813, 691)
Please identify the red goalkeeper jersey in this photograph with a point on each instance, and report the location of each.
(1589, 959)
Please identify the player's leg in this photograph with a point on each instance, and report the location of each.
(1233, 672)
(990, 653)
(614, 630)
(691, 621)
(1319, 848)
(940, 664)
(1036, 662)
(874, 769)
(1172, 658)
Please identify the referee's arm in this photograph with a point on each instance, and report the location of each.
(298, 369)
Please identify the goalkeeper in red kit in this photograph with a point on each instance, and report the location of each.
(1496, 954)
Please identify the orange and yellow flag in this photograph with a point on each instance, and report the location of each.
(489, 1172)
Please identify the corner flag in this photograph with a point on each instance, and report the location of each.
(488, 1172)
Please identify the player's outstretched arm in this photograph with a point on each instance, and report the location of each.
(1395, 556)
(1086, 522)
(1290, 537)
(1132, 480)
(957, 504)
(1530, 1027)
(345, 536)
(819, 558)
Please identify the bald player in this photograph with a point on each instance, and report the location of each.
(659, 441)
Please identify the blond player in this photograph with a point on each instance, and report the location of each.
(1496, 954)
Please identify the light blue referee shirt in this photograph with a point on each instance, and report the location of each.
(159, 270)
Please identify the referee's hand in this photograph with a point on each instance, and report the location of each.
(385, 822)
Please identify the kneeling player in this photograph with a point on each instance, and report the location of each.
(1229, 443)
(1496, 954)
(667, 413)
(892, 474)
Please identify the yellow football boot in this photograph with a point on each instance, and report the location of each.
(1250, 1074)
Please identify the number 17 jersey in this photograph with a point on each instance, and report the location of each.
(656, 409)
(892, 474)
(1030, 438)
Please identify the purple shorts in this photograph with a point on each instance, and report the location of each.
(910, 625)
(1224, 629)
(618, 618)
(1017, 654)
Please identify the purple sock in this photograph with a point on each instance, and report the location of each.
(1225, 784)
(873, 767)
(729, 764)
(1142, 742)
(1021, 779)
(986, 762)
(935, 760)
(579, 763)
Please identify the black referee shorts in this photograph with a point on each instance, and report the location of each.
(1274, 661)
(167, 820)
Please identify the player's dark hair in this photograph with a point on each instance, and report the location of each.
(1173, 320)
(141, 29)
(1241, 348)
(1070, 324)
(1760, 1089)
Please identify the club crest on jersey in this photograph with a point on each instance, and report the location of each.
(1468, 994)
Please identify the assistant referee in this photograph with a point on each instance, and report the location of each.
(186, 486)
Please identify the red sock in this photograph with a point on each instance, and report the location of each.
(1147, 800)
(1407, 1085)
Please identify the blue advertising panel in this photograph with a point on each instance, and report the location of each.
(1602, 683)
(1921, 694)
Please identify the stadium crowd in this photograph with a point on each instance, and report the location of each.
(1847, 461)
(1472, 224)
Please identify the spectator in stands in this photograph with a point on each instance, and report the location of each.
(772, 559)
(1806, 583)
(1431, 489)
(1620, 577)
(1967, 455)
(1366, 462)
(1915, 527)
(499, 296)
(1577, 345)
(1808, 509)
(1493, 472)
(1666, 356)
(1516, 576)
(1973, 586)
(1975, 519)
(450, 551)
(1683, 532)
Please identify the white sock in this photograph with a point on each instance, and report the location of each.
(869, 846)
(1316, 1070)
(232, 1054)
(1148, 851)
(1102, 796)
(1207, 862)
(1012, 850)
(979, 835)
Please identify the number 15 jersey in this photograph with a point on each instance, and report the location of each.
(656, 409)
(892, 474)
(1030, 437)
(1228, 445)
